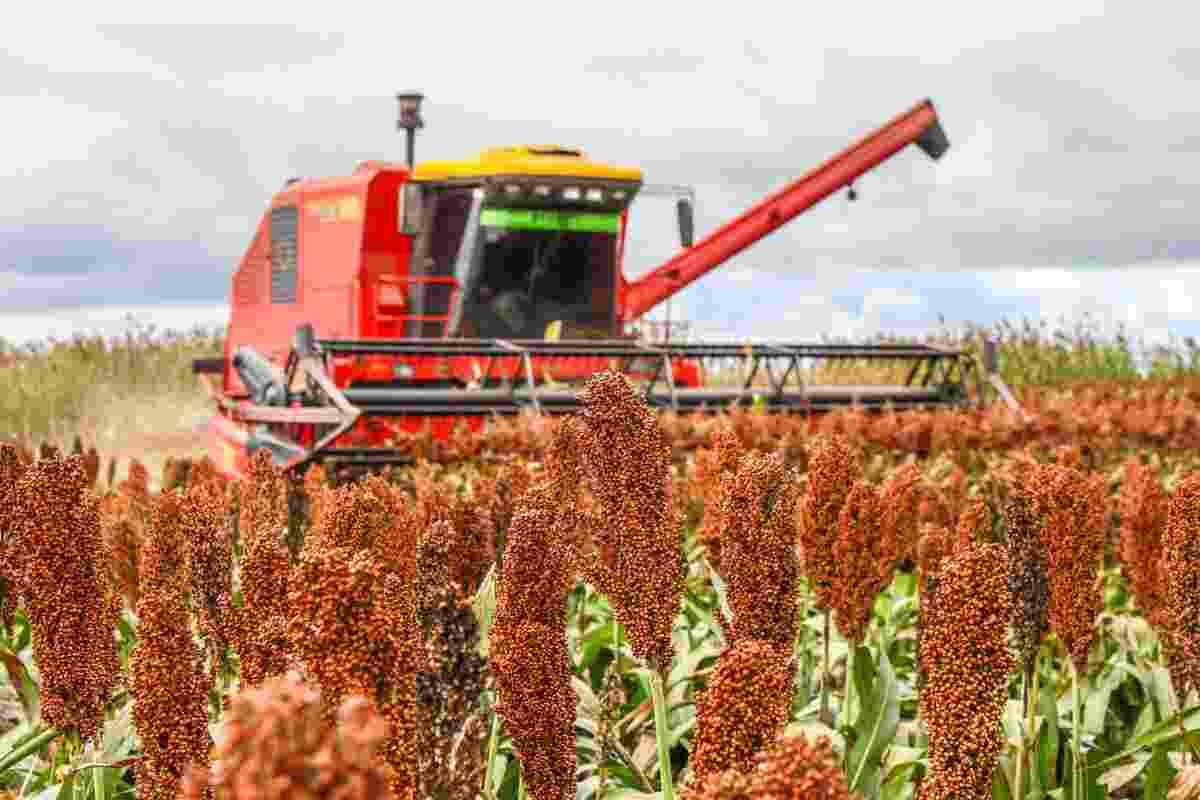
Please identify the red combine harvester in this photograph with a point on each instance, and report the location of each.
(402, 296)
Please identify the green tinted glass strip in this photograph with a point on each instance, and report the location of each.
(536, 220)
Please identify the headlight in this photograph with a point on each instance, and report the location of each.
(571, 193)
(618, 195)
(595, 195)
(541, 191)
(512, 188)
(402, 370)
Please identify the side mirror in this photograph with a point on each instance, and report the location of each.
(410, 208)
(687, 225)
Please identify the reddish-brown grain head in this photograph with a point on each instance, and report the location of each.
(1142, 504)
(55, 524)
(168, 683)
(832, 470)
(757, 527)
(1073, 511)
(964, 648)
(857, 550)
(1181, 590)
(628, 460)
(796, 769)
(743, 708)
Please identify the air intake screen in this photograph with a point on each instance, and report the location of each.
(283, 254)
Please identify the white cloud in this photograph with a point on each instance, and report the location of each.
(888, 297)
(43, 131)
(1039, 280)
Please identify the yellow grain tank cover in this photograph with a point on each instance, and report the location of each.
(527, 160)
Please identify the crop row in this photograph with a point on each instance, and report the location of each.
(599, 622)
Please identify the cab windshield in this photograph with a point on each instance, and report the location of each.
(526, 269)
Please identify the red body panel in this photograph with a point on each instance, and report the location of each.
(338, 257)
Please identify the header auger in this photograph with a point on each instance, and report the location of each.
(402, 295)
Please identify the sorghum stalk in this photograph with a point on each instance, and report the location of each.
(662, 733)
(489, 777)
(825, 715)
(1026, 734)
(30, 747)
(1077, 786)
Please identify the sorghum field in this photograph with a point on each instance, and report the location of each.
(624, 605)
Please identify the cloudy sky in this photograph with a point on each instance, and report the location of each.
(137, 160)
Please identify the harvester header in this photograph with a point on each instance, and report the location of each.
(405, 295)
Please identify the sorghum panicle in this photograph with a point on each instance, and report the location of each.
(860, 576)
(1072, 508)
(55, 525)
(275, 748)
(175, 473)
(353, 623)
(204, 471)
(965, 651)
(433, 566)
(168, 682)
(710, 466)
(122, 534)
(934, 544)
(974, 523)
(727, 785)
(528, 645)
(794, 768)
(832, 470)
(314, 482)
(628, 459)
(260, 624)
(1181, 579)
(11, 470)
(1028, 578)
(91, 466)
(136, 487)
(449, 684)
(743, 708)
(901, 496)
(1142, 503)
(757, 529)
(536, 702)
(473, 551)
(500, 497)
(210, 562)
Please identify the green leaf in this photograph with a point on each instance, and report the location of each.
(1165, 734)
(1047, 744)
(1096, 707)
(1117, 777)
(484, 606)
(876, 725)
(1159, 775)
(49, 793)
(1000, 788)
(622, 793)
(899, 783)
(722, 593)
(678, 680)
(1164, 695)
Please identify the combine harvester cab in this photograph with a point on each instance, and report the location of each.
(395, 298)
